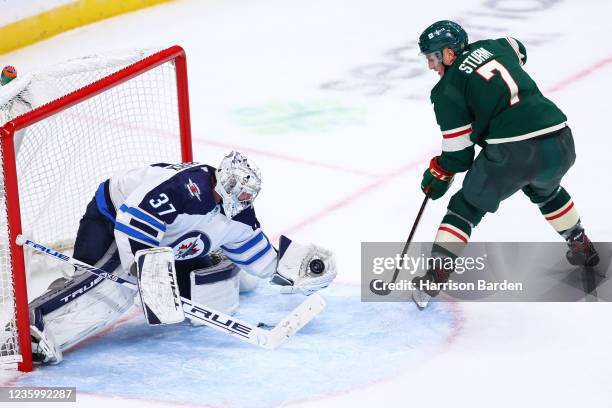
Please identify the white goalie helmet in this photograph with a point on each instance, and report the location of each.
(238, 183)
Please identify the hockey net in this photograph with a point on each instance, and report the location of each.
(67, 129)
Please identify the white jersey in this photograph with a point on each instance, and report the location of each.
(173, 205)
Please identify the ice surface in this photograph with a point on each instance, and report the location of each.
(352, 344)
(330, 99)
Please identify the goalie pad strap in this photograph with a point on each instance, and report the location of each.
(213, 276)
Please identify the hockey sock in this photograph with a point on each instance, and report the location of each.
(453, 234)
(560, 212)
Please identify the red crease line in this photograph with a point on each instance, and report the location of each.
(580, 75)
(294, 159)
(348, 199)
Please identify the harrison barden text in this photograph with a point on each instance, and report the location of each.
(450, 285)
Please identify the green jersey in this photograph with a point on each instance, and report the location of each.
(486, 97)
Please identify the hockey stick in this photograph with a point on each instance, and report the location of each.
(386, 290)
(245, 331)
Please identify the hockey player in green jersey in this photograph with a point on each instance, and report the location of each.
(485, 98)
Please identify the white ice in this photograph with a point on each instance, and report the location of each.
(331, 100)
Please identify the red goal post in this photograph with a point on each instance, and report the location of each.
(136, 115)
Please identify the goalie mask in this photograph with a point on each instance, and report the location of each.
(238, 183)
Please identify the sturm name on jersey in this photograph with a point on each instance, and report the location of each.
(473, 60)
(191, 245)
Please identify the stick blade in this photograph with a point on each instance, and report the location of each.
(294, 321)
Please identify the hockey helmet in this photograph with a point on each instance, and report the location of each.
(443, 34)
(238, 183)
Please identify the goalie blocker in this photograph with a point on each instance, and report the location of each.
(157, 285)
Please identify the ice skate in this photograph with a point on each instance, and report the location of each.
(581, 251)
(421, 295)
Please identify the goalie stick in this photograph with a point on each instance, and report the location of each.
(243, 330)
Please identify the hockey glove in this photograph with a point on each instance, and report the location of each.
(303, 268)
(436, 180)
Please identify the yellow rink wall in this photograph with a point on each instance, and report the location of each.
(55, 21)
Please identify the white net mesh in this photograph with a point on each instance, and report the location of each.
(61, 160)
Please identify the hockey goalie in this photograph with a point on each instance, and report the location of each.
(205, 215)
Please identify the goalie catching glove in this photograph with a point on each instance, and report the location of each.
(303, 268)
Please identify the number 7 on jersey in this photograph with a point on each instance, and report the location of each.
(486, 71)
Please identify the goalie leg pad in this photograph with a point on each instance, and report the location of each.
(75, 309)
(216, 286)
